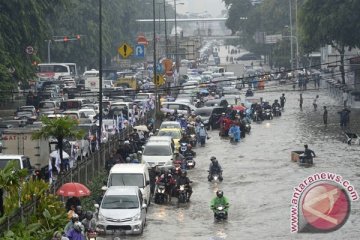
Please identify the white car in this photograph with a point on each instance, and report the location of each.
(122, 210)
(158, 154)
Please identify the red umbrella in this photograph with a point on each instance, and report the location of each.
(239, 108)
(73, 189)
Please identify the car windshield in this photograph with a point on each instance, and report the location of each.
(120, 202)
(173, 134)
(3, 162)
(141, 97)
(203, 113)
(169, 125)
(157, 151)
(127, 179)
(88, 112)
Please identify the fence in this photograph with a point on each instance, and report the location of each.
(82, 172)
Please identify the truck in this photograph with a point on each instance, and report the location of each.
(92, 84)
(18, 141)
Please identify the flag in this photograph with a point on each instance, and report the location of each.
(58, 161)
(97, 141)
(50, 171)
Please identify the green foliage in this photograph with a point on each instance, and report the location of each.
(11, 177)
(95, 188)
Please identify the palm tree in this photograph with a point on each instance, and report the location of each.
(59, 128)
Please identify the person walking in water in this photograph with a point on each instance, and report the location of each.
(301, 100)
(282, 101)
(325, 116)
(315, 102)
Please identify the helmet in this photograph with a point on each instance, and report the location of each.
(89, 215)
(213, 158)
(78, 208)
(219, 193)
(183, 173)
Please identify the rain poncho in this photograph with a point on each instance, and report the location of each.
(215, 202)
(235, 132)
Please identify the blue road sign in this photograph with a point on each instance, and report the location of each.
(159, 68)
(139, 51)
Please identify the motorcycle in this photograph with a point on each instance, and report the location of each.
(182, 194)
(247, 128)
(183, 148)
(268, 114)
(249, 93)
(277, 112)
(220, 213)
(256, 117)
(160, 195)
(193, 140)
(216, 176)
(190, 162)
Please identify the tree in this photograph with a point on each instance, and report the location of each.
(330, 22)
(59, 128)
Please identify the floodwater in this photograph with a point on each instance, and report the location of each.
(259, 177)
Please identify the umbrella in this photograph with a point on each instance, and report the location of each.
(204, 91)
(73, 189)
(54, 154)
(239, 108)
(141, 128)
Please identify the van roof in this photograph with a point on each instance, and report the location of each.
(7, 156)
(128, 168)
(157, 143)
(122, 190)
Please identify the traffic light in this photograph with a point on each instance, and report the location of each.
(66, 39)
(78, 37)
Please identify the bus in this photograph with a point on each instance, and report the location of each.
(56, 70)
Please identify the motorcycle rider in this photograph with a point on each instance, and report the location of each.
(180, 159)
(70, 225)
(182, 121)
(220, 199)
(77, 232)
(202, 134)
(183, 139)
(189, 151)
(89, 222)
(192, 117)
(184, 180)
(214, 168)
(275, 105)
(167, 179)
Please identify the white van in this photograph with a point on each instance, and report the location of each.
(130, 174)
(23, 161)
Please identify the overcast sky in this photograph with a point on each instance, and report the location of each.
(214, 7)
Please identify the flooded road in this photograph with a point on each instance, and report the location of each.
(259, 177)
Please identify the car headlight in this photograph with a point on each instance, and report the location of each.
(206, 121)
(101, 217)
(136, 217)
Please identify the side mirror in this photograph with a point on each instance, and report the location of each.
(104, 188)
(96, 206)
(144, 205)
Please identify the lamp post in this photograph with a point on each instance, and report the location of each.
(166, 39)
(154, 65)
(176, 38)
(100, 75)
(49, 43)
(291, 37)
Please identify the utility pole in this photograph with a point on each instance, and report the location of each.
(297, 35)
(176, 42)
(166, 38)
(154, 65)
(291, 37)
(100, 76)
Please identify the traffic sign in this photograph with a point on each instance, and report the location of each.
(159, 80)
(168, 66)
(139, 51)
(159, 68)
(125, 50)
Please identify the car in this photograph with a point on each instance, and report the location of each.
(210, 116)
(174, 133)
(87, 113)
(48, 107)
(26, 115)
(122, 210)
(181, 107)
(158, 154)
(170, 124)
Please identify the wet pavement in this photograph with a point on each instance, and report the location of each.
(259, 177)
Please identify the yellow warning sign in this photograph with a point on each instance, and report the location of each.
(125, 50)
(159, 80)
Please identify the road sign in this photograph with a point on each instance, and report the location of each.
(159, 68)
(139, 51)
(159, 80)
(168, 66)
(125, 50)
(141, 39)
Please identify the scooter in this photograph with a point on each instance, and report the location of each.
(216, 177)
(160, 194)
(268, 114)
(277, 112)
(182, 195)
(220, 213)
(190, 162)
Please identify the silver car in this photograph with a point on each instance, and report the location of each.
(122, 210)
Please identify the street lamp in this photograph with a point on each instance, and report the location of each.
(100, 76)
(176, 43)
